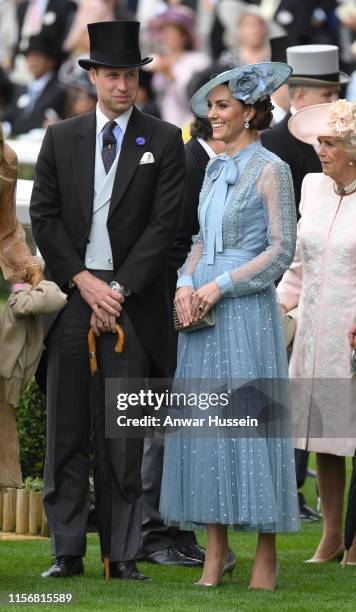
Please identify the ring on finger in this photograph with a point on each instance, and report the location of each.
(200, 307)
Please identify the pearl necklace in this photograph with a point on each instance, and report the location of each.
(342, 190)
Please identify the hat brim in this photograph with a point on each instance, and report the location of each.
(199, 102)
(90, 63)
(56, 56)
(230, 11)
(312, 82)
(310, 122)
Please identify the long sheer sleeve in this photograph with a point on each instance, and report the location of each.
(185, 273)
(289, 289)
(276, 189)
(15, 255)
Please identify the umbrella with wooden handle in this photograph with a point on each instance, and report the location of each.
(103, 502)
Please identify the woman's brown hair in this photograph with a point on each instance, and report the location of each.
(6, 168)
(263, 114)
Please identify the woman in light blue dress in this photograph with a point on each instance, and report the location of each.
(214, 476)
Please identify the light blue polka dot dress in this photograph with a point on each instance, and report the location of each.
(246, 241)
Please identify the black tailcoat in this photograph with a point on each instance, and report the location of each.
(143, 215)
(301, 157)
(53, 96)
(56, 21)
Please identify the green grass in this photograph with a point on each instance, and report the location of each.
(300, 587)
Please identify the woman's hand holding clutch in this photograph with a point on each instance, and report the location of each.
(182, 303)
(204, 299)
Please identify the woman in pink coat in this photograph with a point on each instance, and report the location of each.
(321, 282)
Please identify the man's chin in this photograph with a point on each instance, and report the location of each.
(121, 107)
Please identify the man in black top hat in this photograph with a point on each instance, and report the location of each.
(31, 106)
(105, 206)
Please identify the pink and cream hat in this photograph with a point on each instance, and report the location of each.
(334, 120)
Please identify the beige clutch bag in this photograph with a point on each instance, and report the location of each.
(207, 321)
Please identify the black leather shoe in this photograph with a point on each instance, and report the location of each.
(170, 556)
(309, 515)
(126, 570)
(65, 566)
(193, 552)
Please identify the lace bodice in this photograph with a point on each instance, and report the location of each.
(254, 215)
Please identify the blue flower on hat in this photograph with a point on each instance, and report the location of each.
(246, 83)
(252, 84)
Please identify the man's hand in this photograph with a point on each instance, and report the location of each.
(182, 303)
(100, 297)
(105, 324)
(204, 299)
(352, 336)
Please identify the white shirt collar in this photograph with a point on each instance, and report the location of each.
(207, 148)
(39, 84)
(122, 120)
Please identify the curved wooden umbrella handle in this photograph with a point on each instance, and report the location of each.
(120, 342)
(92, 352)
(119, 347)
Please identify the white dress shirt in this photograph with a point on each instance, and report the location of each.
(119, 131)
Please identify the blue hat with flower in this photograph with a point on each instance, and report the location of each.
(249, 84)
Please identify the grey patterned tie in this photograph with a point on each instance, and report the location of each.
(108, 152)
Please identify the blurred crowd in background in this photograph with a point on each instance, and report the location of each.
(41, 41)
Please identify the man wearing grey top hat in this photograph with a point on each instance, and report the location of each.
(316, 79)
(105, 205)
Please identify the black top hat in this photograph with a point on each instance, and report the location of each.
(40, 43)
(280, 44)
(115, 44)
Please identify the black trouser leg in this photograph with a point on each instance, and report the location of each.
(155, 534)
(301, 466)
(117, 461)
(68, 429)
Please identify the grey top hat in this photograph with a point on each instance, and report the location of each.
(249, 84)
(315, 65)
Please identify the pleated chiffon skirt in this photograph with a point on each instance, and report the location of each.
(245, 480)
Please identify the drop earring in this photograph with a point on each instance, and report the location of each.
(351, 163)
(247, 124)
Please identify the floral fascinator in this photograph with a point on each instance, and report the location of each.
(333, 120)
(249, 84)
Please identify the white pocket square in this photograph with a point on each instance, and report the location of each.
(147, 158)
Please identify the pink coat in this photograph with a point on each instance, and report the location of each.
(322, 282)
